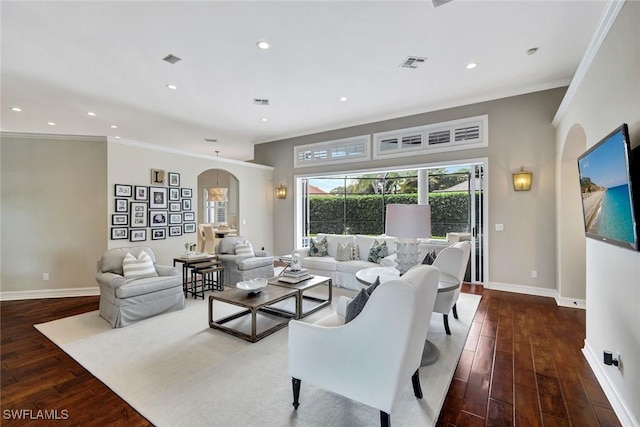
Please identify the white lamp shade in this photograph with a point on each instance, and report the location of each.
(408, 221)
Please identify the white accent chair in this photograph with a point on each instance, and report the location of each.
(452, 263)
(390, 331)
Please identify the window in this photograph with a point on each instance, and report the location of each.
(447, 136)
(214, 212)
(339, 151)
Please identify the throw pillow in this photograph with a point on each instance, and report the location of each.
(318, 247)
(138, 268)
(372, 287)
(355, 306)
(245, 250)
(355, 251)
(345, 252)
(378, 251)
(431, 256)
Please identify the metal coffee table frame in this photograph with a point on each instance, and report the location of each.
(303, 286)
(252, 305)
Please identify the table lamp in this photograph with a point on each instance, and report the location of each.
(408, 223)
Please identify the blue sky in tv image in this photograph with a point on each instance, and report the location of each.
(606, 166)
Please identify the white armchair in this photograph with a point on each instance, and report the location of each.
(390, 330)
(452, 263)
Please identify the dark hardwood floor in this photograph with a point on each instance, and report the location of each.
(521, 365)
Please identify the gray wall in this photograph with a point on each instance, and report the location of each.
(520, 133)
(54, 199)
(608, 96)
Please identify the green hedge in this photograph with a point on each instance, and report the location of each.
(365, 214)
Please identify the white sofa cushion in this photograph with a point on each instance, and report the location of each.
(138, 268)
(319, 263)
(333, 240)
(364, 244)
(353, 266)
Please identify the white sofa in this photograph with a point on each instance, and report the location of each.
(343, 273)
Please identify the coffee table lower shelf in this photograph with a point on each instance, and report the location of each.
(257, 306)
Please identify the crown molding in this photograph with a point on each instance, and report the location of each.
(57, 137)
(604, 25)
(163, 149)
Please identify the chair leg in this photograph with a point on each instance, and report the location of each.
(446, 324)
(385, 419)
(455, 311)
(415, 380)
(296, 392)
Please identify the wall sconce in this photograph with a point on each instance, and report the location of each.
(522, 180)
(281, 192)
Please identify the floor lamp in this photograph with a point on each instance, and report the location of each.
(408, 223)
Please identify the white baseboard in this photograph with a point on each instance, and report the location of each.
(49, 293)
(540, 292)
(618, 404)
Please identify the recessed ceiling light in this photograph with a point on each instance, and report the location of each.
(532, 51)
(113, 126)
(471, 65)
(116, 137)
(91, 113)
(51, 123)
(172, 87)
(263, 44)
(264, 119)
(343, 98)
(16, 109)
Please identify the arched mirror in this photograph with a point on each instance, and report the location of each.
(217, 207)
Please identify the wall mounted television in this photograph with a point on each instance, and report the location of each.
(610, 188)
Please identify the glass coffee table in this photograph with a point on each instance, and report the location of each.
(258, 317)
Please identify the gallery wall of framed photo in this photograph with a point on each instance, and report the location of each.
(155, 212)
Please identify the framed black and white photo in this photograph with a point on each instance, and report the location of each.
(190, 227)
(175, 207)
(174, 179)
(141, 192)
(122, 205)
(188, 216)
(119, 219)
(186, 193)
(157, 198)
(119, 233)
(175, 218)
(122, 190)
(175, 230)
(174, 194)
(158, 233)
(157, 218)
(186, 204)
(138, 235)
(138, 214)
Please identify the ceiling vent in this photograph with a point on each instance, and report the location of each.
(412, 62)
(171, 59)
(258, 101)
(210, 140)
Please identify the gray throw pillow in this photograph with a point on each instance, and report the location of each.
(355, 306)
(378, 251)
(318, 247)
(431, 256)
(373, 286)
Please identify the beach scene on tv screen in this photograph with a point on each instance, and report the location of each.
(605, 191)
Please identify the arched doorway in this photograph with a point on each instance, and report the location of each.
(572, 241)
(219, 214)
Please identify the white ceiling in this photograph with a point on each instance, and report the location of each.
(62, 59)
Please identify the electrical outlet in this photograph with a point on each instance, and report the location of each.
(45, 276)
(499, 227)
(534, 274)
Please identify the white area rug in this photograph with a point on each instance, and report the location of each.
(176, 371)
